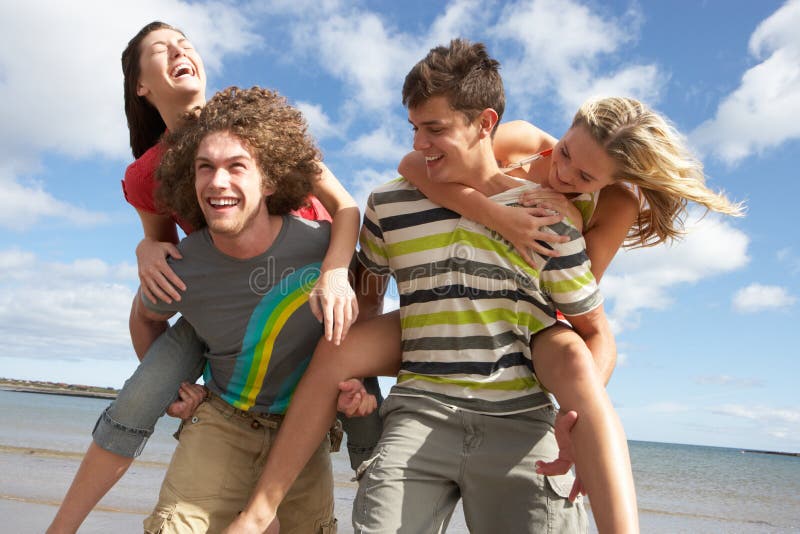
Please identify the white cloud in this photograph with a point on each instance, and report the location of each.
(565, 48)
(757, 298)
(762, 112)
(379, 145)
(641, 279)
(64, 310)
(61, 85)
(25, 205)
(318, 122)
(361, 51)
(759, 413)
(732, 381)
(460, 18)
(365, 180)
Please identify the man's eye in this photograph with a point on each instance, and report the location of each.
(564, 152)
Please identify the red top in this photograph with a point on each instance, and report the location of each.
(139, 187)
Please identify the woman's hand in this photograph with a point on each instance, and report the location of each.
(157, 278)
(522, 227)
(566, 457)
(333, 302)
(554, 201)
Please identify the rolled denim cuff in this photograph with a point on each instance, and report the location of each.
(119, 439)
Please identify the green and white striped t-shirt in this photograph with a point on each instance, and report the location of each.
(469, 303)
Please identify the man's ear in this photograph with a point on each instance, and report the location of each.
(267, 186)
(488, 120)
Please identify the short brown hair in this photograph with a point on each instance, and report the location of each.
(464, 73)
(273, 132)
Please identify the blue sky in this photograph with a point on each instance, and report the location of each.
(705, 328)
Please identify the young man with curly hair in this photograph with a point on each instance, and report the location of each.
(235, 172)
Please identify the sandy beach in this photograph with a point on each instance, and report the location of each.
(680, 488)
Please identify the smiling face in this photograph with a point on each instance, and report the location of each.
(447, 140)
(229, 185)
(169, 67)
(579, 164)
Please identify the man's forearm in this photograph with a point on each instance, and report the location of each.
(370, 289)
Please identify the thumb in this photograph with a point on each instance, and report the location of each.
(173, 251)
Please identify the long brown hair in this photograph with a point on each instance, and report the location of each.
(145, 124)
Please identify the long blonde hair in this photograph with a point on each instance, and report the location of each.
(652, 156)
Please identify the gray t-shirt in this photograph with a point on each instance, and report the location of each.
(253, 314)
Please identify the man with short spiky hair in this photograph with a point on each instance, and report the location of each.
(236, 171)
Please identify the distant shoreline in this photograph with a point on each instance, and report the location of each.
(753, 451)
(52, 388)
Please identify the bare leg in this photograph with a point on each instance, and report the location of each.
(372, 348)
(97, 474)
(565, 367)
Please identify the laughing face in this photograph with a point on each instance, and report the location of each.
(170, 67)
(229, 185)
(579, 164)
(446, 139)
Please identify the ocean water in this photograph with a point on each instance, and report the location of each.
(681, 488)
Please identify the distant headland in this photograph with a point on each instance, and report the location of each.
(57, 388)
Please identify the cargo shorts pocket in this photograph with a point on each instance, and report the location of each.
(202, 465)
(328, 527)
(561, 484)
(366, 464)
(155, 522)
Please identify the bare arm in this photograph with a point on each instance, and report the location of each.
(521, 227)
(156, 277)
(616, 212)
(370, 290)
(333, 300)
(145, 326)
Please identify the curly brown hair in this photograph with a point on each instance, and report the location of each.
(273, 132)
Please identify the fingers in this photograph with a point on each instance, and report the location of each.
(353, 400)
(565, 421)
(175, 283)
(190, 396)
(314, 303)
(146, 292)
(351, 316)
(577, 489)
(558, 466)
(339, 320)
(154, 288)
(173, 251)
(327, 312)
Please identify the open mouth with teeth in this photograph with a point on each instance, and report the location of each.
(182, 70)
(433, 159)
(223, 203)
